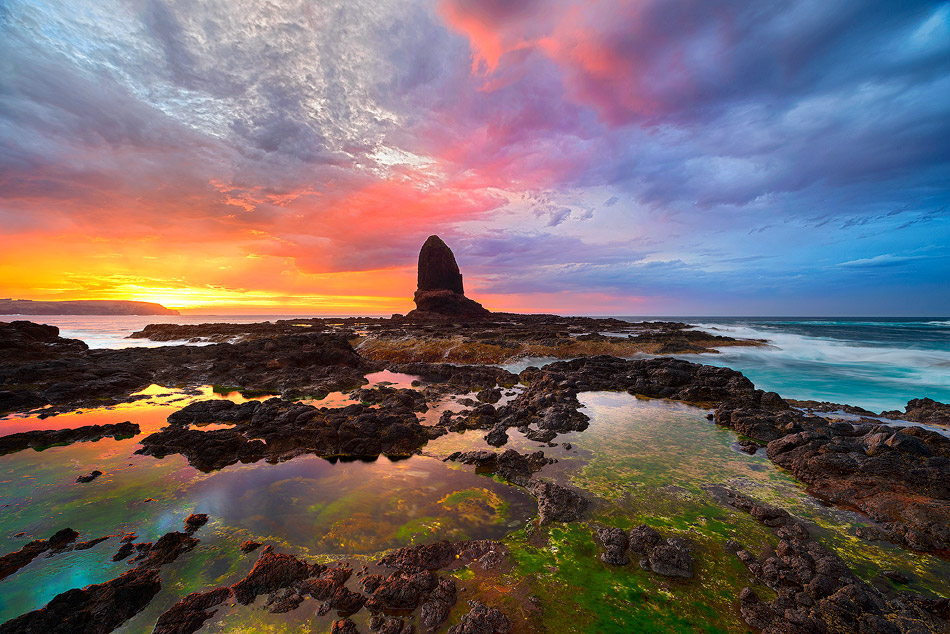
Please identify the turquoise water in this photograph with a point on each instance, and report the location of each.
(878, 364)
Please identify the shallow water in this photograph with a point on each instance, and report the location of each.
(644, 461)
(308, 506)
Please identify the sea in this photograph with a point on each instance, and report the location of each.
(875, 363)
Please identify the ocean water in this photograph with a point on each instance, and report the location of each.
(875, 363)
(878, 364)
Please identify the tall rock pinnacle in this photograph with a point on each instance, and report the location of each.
(440, 293)
(437, 267)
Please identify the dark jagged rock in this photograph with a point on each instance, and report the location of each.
(45, 438)
(512, 466)
(195, 521)
(167, 549)
(190, 613)
(278, 429)
(898, 476)
(816, 591)
(302, 363)
(670, 557)
(83, 479)
(95, 609)
(344, 626)
(616, 543)
(402, 591)
(923, 410)
(435, 610)
(557, 503)
(273, 571)
(24, 341)
(440, 292)
(440, 555)
(12, 562)
(249, 546)
(482, 620)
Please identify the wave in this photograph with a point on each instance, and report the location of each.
(829, 368)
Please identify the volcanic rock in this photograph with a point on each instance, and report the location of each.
(440, 292)
(43, 438)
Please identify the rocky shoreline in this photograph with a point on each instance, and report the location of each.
(897, 476)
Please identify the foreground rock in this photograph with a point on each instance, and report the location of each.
(100, 608)
(671, 557)
(512, 466)
(46, 438)
(557, 503)
(287, 581)
(816, 591)
(95, 609)
(278, 430)
(295, 364)
(12, 562)
(482, 620)
(923, 410)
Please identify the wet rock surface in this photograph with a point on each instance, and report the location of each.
(89, 477)
(101, 608)
(309, 363)
(923, 410)
(277, 429)
(42, 439)
(557, 503)
(670, 557)
(12, 562)
(815, 592)
(514, 467)
(482, 619)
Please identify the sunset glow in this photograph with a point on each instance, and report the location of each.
(679, 157)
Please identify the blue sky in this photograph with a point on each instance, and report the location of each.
(660, 157)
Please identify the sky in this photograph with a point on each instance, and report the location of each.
(650, 157)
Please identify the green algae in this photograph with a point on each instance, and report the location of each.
(642, 462)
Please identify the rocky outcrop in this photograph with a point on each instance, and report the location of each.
(671, 557)
(557, 503)
(44, 438)
(296, 365)
(12, 562)
(440, 292)
(898, 476)
(923, 410)
(512, 466)
(277, 430)
(23, 341)
(100, 608)
(482, 619)
(815, 591)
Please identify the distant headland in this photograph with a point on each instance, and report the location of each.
(82, 307)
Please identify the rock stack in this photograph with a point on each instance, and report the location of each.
(440, 293)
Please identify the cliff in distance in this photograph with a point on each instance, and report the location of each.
(82, 307)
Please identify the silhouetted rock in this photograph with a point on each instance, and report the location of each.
(42, 438)
(83, 479)
(95, 609)
(438, 269)
(440, 292)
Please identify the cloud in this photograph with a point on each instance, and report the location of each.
(885, 259)
(623, 147)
